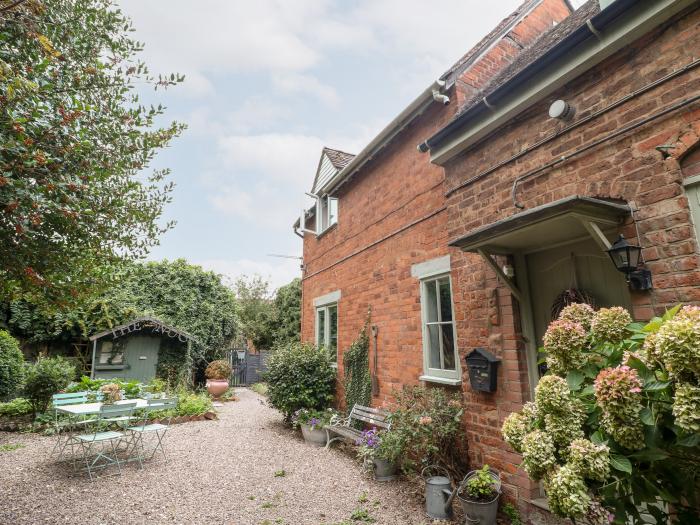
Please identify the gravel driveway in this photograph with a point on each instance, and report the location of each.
(217, 472)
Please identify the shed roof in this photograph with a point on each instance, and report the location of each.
(141, 323)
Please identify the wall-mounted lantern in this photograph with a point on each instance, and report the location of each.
(626, 258)
(483, 368)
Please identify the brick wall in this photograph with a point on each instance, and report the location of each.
(391, 216)
(506, 49)
(629, 167)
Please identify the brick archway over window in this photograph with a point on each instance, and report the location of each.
(690, 163)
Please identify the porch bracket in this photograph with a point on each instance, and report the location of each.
(486, 256)
(597, 234)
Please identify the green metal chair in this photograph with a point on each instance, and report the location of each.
(64, 425)
(107, 440)
(144, 427)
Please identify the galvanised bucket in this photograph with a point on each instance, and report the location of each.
(477, 512)
(438, 493)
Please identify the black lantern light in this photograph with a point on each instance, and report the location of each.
(626, 259)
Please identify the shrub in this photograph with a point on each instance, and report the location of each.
(45, 378)
(620, 429)
(193, 404)
(259, 388)
(218, 370)
(11, 366)
(427, 421)
(299, 376)
(17, 407)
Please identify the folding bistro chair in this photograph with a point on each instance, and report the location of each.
(100, 447)
(64, 425)
(158, 430)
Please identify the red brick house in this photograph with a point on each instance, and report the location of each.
(566, 130)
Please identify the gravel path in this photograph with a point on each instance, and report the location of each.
(217, 472)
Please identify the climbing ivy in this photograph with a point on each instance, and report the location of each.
(358, 384)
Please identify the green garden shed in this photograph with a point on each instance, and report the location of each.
(141, 350)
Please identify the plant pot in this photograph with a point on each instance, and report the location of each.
(315, 436)
(384, 470)
(216, 387)
(480, 512)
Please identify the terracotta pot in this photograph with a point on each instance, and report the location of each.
(316, 436)
(216, 387)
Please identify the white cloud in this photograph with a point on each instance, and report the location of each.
(298, 83)
(278, 271)
(279, 157)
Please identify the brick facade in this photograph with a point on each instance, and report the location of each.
(629, 168)
(398, 211)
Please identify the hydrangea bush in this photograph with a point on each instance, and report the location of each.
(615, 425)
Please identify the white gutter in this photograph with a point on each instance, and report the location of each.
(628, 28)
(409, 114)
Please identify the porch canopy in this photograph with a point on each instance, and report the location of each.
(561, 222)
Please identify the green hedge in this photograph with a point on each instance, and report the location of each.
(11, 366)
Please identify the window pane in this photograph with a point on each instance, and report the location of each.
(445, 300)
(333, 332)
(433, 346)
(332, 211)
(448, 346)
(322, 213)
(321, 327)
(431, 302)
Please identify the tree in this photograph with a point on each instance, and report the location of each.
(287, 313)
(256, 316)
(178, 293)
(75, 138)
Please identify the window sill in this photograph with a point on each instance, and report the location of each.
(441, 380)
(331, 227)
(111, 367)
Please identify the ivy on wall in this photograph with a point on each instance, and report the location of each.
(358, 383)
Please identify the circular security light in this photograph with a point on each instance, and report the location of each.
(561, 109)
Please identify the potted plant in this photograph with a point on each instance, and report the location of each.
(382, 450)
(479, 494)
(111, 392)
(312, 423)
(217, 374)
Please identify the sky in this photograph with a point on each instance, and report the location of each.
(268, 84)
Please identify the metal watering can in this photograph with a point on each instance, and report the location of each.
(438, 493)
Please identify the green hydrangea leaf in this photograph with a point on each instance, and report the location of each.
(574, 379)
(620, 463)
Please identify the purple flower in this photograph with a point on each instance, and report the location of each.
(314, 421)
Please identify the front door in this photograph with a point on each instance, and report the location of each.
(581, 265)
(142, 357)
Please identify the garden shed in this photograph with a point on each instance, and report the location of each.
(140, 350)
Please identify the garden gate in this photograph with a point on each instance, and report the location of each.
(247, 367)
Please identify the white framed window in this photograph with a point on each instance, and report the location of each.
(327, 212)
(327, 329)
(440, 355)
(110, 355)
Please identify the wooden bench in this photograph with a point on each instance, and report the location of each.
(343, 428)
